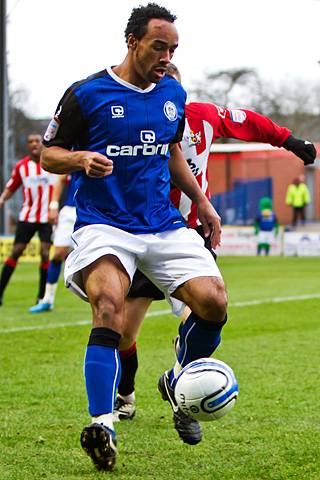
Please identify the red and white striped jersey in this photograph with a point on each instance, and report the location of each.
(37, 190)
(205, 122)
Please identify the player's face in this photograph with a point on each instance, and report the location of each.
(34, 145)
(153, 52)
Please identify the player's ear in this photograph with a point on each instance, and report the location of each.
(132, 42)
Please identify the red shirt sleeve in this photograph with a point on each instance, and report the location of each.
(15, 180)
(245, 125)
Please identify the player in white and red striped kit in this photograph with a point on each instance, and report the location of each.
(205, 123)
(37, 187)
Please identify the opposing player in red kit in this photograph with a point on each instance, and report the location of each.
(37, 187)
(205, 123)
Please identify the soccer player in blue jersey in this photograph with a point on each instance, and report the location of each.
(118, 130)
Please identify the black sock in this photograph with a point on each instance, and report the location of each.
(43, 271)
(129, 367)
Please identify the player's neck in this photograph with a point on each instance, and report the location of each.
(127, 72)
(34, 158)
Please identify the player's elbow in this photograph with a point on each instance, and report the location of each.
(44, 160)
(49, 162)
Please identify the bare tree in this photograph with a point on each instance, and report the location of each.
(225, 87)
(294, 103)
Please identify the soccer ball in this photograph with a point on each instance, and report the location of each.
(206, 389)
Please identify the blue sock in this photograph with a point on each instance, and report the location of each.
(198, 338)
(54, 271)
(102, 369)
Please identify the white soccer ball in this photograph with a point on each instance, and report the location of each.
(206, 389)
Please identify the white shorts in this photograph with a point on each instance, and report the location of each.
(64, 229)
(168, 259)
(265, 237)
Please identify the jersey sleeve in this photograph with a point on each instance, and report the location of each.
(68, 128)
(15, 180)
(179, 133)
(246, 125)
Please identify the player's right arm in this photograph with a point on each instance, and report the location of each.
(12, 185)
(5, 195)
(66, 130)
(60, 160)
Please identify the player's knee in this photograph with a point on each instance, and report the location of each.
(17, 252)
(215, 306)
(106, 309)
(58, 258)
(60, 254)
(44, 254)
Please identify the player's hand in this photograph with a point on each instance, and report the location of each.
(211, 222)
(302, 148)
(97, 165)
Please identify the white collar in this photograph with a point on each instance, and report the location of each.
(129, 85)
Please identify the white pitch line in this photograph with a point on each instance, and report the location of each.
(157, 313)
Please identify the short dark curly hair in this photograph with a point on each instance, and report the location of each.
(140, 17)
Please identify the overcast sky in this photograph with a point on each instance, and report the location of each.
(51, 44)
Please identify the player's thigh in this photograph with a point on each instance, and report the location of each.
(24, 232)
(106, 283)
(23, 235)
(45, 232)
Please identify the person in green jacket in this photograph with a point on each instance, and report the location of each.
(298, 196)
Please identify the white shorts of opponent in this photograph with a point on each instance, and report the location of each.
(63, 231)
(168, 259)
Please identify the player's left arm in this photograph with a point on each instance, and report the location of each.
(183, 178)
(250, 126)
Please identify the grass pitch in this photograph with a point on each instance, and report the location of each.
(271, 341)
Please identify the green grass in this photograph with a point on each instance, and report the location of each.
(272, 433)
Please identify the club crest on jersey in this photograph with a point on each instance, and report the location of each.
(117, 111)
(52, 129)
(170, 111)
(238, 116)
(194, 138)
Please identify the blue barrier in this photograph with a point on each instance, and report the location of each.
(240, 206)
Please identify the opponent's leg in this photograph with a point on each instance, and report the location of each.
(43, 269)
(124, 407)
(54, 270)
(135, 310)
(9, 267)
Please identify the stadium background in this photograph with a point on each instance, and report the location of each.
(239, 175)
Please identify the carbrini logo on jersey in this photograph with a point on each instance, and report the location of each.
(146, 149)
(170, 111)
